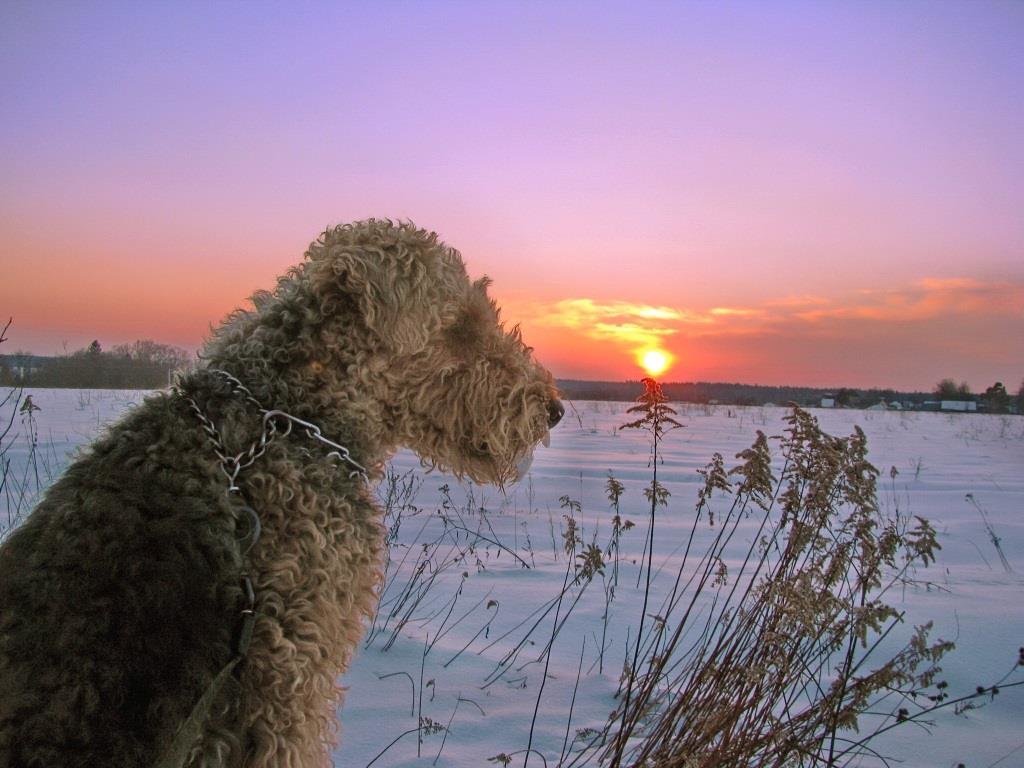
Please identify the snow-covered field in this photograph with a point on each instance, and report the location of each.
(459, 599)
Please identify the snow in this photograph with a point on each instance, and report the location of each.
(487, 709)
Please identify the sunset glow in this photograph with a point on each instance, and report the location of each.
(824, 194)
(655, 362)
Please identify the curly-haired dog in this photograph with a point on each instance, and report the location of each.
(125, 595)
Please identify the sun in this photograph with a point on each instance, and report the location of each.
(655, 361)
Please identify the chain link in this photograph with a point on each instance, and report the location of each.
(232, 465)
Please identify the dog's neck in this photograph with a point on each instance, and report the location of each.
(240, 412)
(309, 371)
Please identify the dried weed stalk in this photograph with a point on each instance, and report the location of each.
(784, 655)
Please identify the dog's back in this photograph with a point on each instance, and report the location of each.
(114, 607)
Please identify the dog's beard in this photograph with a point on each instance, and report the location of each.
(504, 470)
(499, 451)
(523, 465)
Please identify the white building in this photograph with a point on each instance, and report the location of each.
(962, 406)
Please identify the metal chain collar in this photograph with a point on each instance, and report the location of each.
(275, 422)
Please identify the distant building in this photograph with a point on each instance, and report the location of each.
(879, 406)
(22, 366)
(828, 401)
(959, 406)
(895, 405)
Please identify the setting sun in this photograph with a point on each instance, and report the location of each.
(655, 361)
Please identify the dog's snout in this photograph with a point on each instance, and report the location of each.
(555, 412)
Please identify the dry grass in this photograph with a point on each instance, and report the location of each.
(786, 667)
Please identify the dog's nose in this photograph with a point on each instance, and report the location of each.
(555, 412)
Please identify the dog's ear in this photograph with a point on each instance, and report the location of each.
(393, 275)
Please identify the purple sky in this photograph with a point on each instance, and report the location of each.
(820, 193)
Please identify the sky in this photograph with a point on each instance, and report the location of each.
(823, 194)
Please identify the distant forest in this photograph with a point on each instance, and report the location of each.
(142, 364)
(995, 399)
(739, 394)
(149, 365)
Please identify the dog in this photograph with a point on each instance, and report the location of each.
(188, 592)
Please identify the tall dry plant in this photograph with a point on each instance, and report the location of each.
(656, 418)
(12, 493)
(785, 654)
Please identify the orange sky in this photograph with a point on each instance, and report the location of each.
(912, 333)
(790, 193)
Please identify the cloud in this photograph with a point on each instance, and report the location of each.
(643, 325)
(578, 312)
(948, 324)
(928, 299)
(633, 325)
(638, 328)
(734, 312)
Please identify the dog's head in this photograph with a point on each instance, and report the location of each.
(458, 388)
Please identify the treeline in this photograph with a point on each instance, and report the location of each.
(146, 364)
(691, 392)
(737, 394)
(995, 399)
(143, 364)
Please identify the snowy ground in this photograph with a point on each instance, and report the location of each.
(436, 648)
